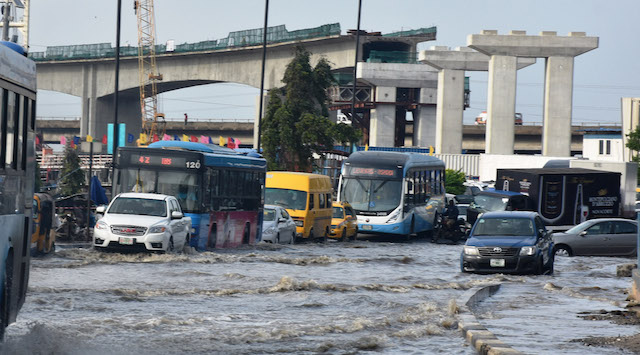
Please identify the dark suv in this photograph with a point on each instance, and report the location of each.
(508, 242)
(498, 200)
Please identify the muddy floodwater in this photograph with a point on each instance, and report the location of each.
(339, 298)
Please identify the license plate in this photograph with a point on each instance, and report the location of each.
(125, 241)
(496, 262)
(367, 227)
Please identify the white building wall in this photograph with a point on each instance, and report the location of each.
(603, 147)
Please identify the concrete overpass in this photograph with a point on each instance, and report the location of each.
(528, 138)
(238, 60)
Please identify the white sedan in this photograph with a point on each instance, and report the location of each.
(143, 222)
(277, 225)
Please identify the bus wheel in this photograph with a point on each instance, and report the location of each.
(311, 235)
(7, 282)
(247, 234)
(325, 238)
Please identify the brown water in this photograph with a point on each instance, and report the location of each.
(339, 298)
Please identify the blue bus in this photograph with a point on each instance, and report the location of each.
(17, 177)
(222, 190)
(394, 193)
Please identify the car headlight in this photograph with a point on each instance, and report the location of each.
(470, 250)
(299, 223)
(269, 230)
(101, 225)
(528, 250)
(157, 229)
(393, 217)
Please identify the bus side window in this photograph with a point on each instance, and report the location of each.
(329, 201)
(321, 198)
(311, 202)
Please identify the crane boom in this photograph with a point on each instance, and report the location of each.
(152, 121)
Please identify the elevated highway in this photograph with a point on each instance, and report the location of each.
(528, 138)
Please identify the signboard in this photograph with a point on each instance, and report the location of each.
(164, 161)
(371, 172)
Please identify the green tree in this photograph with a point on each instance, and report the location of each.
(296, 123)
(453, 182)
(633, 143)
(72, 177)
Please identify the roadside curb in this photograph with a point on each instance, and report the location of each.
(485, 342)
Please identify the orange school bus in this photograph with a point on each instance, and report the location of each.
(306, 197)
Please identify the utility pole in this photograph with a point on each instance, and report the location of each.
(355, 65)
(264, 59)
(6, 17)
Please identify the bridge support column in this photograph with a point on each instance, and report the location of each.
(449, 111)
(558, 98)
(424, 121)
(128, 113)
(501, 104)
(89, 104)
(383, 118)
(265, 102)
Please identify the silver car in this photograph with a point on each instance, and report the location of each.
(277, 225)
(599, 237)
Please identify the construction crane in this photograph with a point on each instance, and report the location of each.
(153, 122)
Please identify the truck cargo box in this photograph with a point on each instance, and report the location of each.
(566, 196)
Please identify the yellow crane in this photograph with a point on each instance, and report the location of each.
(152, 121)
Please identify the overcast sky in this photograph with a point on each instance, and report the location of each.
(601, 76)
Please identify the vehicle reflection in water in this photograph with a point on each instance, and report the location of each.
(307, 298)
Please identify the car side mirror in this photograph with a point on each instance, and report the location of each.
(583, 233)
(176, 215)
(100, 209)
(282, 220)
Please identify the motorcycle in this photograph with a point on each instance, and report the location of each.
(451, 232)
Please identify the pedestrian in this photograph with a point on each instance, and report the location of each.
(185, 118)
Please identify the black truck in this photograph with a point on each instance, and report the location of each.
(565, 196)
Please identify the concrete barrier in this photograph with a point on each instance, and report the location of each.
(485, 342)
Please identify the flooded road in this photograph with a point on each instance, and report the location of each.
(339, 298)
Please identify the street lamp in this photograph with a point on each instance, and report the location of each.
(264, 59)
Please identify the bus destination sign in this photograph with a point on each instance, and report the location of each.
(166, 161)
(373, 172)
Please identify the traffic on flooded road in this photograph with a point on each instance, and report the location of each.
(368, 295)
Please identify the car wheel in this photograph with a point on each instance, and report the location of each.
(344, 235)
(170, 246)
(355, 234)
(278, 238)
(6, 286)
(550, 266)
(562, 250)
(293, 238)
(540, 267)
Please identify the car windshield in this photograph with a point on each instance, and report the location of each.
(504, 227)
(372, 195)
(338, 212)
(291, 199)
(269, 215)
(138, 206)
(490, 202)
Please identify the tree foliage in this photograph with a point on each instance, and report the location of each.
(633, 143)
(296, 123)
(454, 180)
(72, 177)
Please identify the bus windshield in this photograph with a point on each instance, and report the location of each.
(182, 185)
(291, 199)
(372, 195)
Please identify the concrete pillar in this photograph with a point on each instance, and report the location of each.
(424, 120)
(88, 102)
(128, 112)
(383, 118)
(558, 99)
(449, 114)
(501, 105)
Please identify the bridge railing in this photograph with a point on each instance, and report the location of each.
(174, 119)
